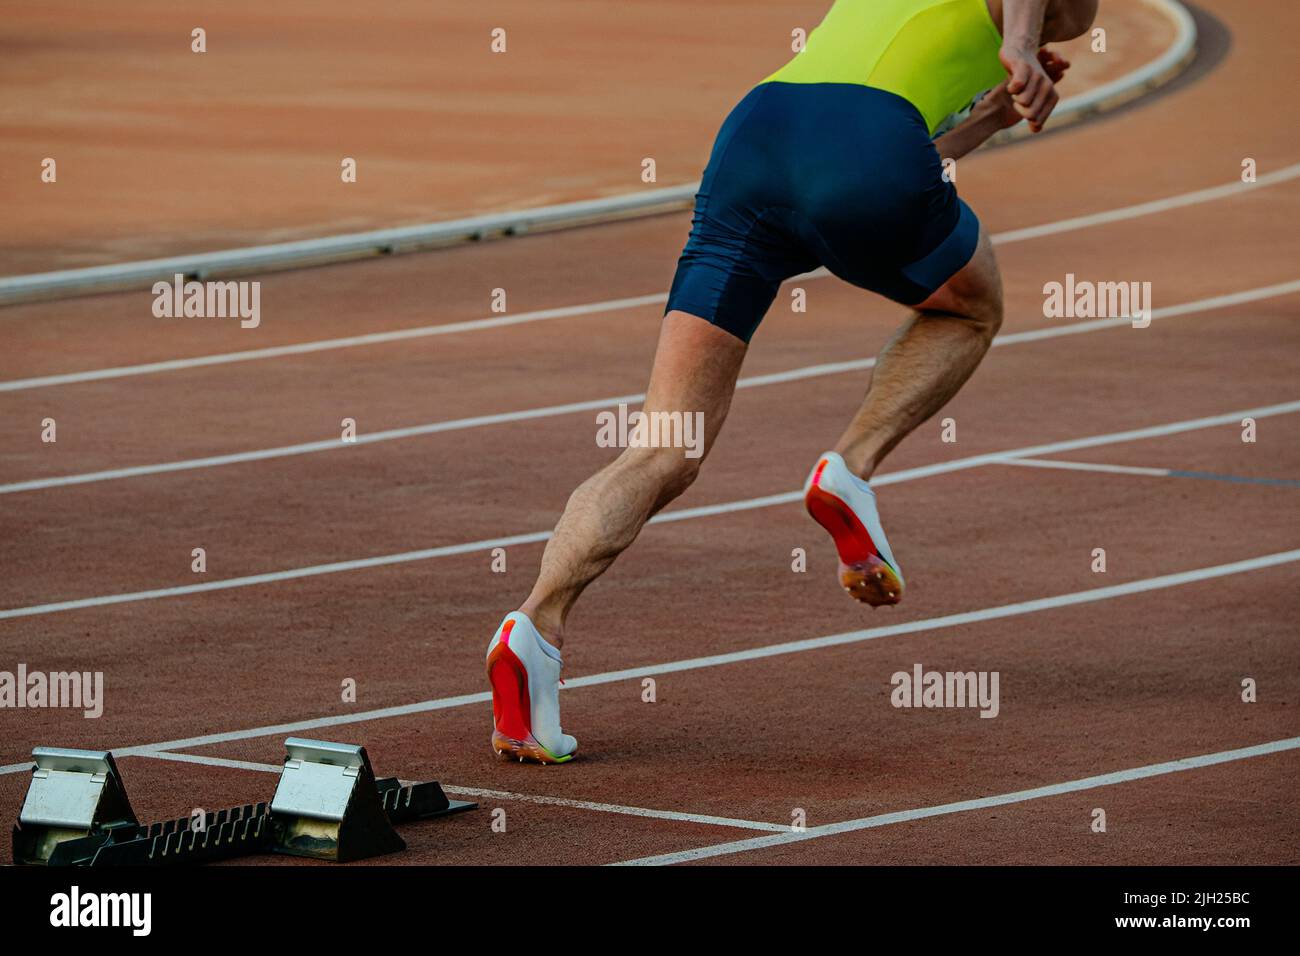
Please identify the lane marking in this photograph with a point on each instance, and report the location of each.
(225, 762)
(328, 444)
(1120, 214)
(1236, 479)
(325, 345)
(270, 577)
(1153, 472)
(646, 812)
(547, 411)
(962, 806)
(1017, 609)
(1155, 206)
(1086, 466)
(680, 514)
(677, 815)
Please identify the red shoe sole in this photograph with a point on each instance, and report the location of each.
(512, 733)
(863, 573)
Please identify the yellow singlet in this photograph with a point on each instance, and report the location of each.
(936, 54)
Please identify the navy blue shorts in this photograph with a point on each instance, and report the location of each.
(819, 174)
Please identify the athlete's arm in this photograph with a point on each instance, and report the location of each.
(982, 123)
(1030, 87)
(995, 112)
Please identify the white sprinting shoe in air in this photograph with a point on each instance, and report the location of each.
(845, 505)
(524, 670)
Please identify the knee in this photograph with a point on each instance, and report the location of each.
(982, 304)
(981, 312)
(973, 295)
(987, 314)
(671, 470)
(676, 471)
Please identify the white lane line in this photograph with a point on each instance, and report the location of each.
(324, 345)
(1086, 466)
(677, 815)
(1057, 464)
(270, 577)
(1094, 441)
(681, 514)
(648, 812)
(213, 761)
(962, 806)
(321, 345)
(547, 411)
(329, 444)
(1017, 609)
(1226, 191)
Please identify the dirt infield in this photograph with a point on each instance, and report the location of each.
(1116, 673)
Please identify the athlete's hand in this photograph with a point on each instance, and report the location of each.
(1030, 86)
(1054, 64)
(1007, 106)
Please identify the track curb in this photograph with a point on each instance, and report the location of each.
(252, 260)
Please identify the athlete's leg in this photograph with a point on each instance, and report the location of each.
(695, 369)
(917, 373)
(927, 361)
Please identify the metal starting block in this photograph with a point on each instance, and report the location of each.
(73, 794)
(224, 834)
(327, 805)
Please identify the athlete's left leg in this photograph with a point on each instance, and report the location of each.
(921, 368)
(927, 361)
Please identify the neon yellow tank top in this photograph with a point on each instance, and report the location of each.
(936, 54)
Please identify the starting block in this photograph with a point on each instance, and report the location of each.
(330, 806)
(74, 794)
(327, 805)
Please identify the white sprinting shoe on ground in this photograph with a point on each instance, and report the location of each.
(524, 670)
(845, 506)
